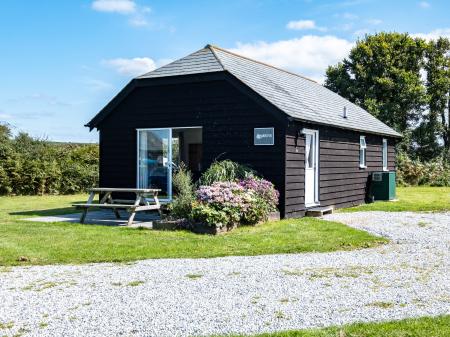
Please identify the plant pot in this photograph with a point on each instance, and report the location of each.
(272, 216)
(169, 225)
(202, 228)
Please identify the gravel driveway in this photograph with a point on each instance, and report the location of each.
(186, 297)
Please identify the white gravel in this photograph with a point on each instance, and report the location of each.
(191, 297)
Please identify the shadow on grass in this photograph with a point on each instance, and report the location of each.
(48, 212)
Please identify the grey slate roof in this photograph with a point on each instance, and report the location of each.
(297, 96)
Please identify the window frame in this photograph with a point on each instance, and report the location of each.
(384, 154)
(363, 148)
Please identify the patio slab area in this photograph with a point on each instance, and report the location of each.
(102, 217)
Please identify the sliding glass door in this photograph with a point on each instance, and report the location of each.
(155, 160)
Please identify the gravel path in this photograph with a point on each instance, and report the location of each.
(186, 297)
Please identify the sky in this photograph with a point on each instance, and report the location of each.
(62, 61)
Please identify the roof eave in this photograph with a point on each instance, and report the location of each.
(395, 134)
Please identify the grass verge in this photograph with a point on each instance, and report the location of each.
(37, 243)
(417, 327)
(412, 199)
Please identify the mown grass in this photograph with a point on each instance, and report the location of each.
(417, 327)
(413, 199)
(37, 243)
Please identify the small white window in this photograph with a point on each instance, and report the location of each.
(362, 151)
(385, 155)
(309, 149)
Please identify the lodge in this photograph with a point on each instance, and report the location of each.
(315, 146)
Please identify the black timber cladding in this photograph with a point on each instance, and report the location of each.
(227, 115)
(342, 182)
(230, 95)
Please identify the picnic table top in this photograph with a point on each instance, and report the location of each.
(120, 189)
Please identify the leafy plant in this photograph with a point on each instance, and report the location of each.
(183, 186)
(225, 170)
(207, 214)
(264, 189)
(413, 172)
(246, 202)
(35, 166)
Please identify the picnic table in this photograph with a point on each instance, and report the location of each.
(140, 203)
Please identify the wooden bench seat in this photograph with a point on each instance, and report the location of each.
(105, 205)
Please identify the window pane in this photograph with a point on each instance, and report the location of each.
(385, 164)
(153, 161)
(362, 142)
(309, 151)
(362, 157)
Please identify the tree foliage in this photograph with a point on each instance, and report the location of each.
(384, 73)
(34, 166)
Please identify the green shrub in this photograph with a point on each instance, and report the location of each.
(34, 166)
(414, 172)
(246, 201)
(208, 215)
(225, 170)
(183, 187)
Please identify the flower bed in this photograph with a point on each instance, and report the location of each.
(231, 195)
(226, 205)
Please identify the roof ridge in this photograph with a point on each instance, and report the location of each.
(212, 47)
(168, 64)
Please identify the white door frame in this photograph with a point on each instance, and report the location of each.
(315, 134)
(169, 159)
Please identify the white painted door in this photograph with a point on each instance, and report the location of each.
(311, 167)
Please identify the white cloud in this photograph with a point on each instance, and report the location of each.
(131, 67)
(303, 24)
(137, 14)
(434, 34)
(309, 55)
(374, 21)
(424, 4)
(115, 6)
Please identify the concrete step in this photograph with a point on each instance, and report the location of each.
(319, 211)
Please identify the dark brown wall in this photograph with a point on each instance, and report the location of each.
(342, 182)
(226, 115)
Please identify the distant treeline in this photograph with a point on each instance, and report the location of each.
(31, 166)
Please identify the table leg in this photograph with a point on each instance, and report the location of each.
(83, 215)
(131, 218)
(85, 210)
(155, 197)
(133, 212)
(105, 198)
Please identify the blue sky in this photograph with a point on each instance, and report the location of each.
(62, 61)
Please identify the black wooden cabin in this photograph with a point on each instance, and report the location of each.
(315, 146)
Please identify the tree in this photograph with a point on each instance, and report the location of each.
(382, 75)
(437, 67)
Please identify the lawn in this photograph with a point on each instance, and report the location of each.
(418, 327)
(52, 243)
(413, 199)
